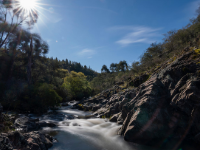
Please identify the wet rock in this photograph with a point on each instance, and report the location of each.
(46, 124)
(65, 104)
(25, 141)
(26, 124)
(37, 140)
(114, 118)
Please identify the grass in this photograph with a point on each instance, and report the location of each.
(103, 117)
(197, 51)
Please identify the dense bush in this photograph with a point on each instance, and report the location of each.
(77, 85)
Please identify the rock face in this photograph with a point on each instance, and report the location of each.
(164, 108)
(167, 103)
(26, 141)
(27, 124)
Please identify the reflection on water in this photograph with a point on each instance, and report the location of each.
(87, 134)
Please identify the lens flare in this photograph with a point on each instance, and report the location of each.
(28, 4)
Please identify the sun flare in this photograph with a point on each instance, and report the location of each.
(27, 4)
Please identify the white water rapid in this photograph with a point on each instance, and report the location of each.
(86, 134)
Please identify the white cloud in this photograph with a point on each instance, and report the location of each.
(87, 53)
(137, 34)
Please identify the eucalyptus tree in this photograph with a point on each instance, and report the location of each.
(105, 69)
(122, 66)
(20, 44)
(113, 67)
(13, 15)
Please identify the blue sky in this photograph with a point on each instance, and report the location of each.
(97, 32)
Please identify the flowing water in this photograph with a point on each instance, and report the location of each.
(86, 134)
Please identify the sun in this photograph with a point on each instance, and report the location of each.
(27, 4)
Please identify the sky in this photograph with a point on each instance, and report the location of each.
(98, 32)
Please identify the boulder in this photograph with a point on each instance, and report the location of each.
(26, 124)
(25, 141)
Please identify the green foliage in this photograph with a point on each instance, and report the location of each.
(81, 105)
(77, 85)
(105, 69)
(103, 117)
(48, 96)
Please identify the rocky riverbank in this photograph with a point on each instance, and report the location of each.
(21, 132)
(25, 141)
(162, 110)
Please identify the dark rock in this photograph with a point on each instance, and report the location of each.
(26, 124)
(65, 104)
(17, 139)
(46, 124)
(25, 141)
(139, 80)
(114, 118)
(167, 103)
(5, 143)
(37, 140)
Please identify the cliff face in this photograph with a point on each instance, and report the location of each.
(165, 107)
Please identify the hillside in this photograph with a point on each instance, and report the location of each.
(162, 111)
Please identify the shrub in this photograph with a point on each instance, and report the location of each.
(48, 96)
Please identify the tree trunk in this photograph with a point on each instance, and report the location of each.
(30, 62)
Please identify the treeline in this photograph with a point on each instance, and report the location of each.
(175, 43)
(77, 67)
(122, 66)
(29, 81)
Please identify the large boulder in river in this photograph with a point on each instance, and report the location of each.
(26, 124)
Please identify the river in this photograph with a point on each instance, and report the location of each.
(86, 134)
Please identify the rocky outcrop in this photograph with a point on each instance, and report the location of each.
(139, 80)
(27, 124)
(25, 141)
(167, 103)
(164, 108)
